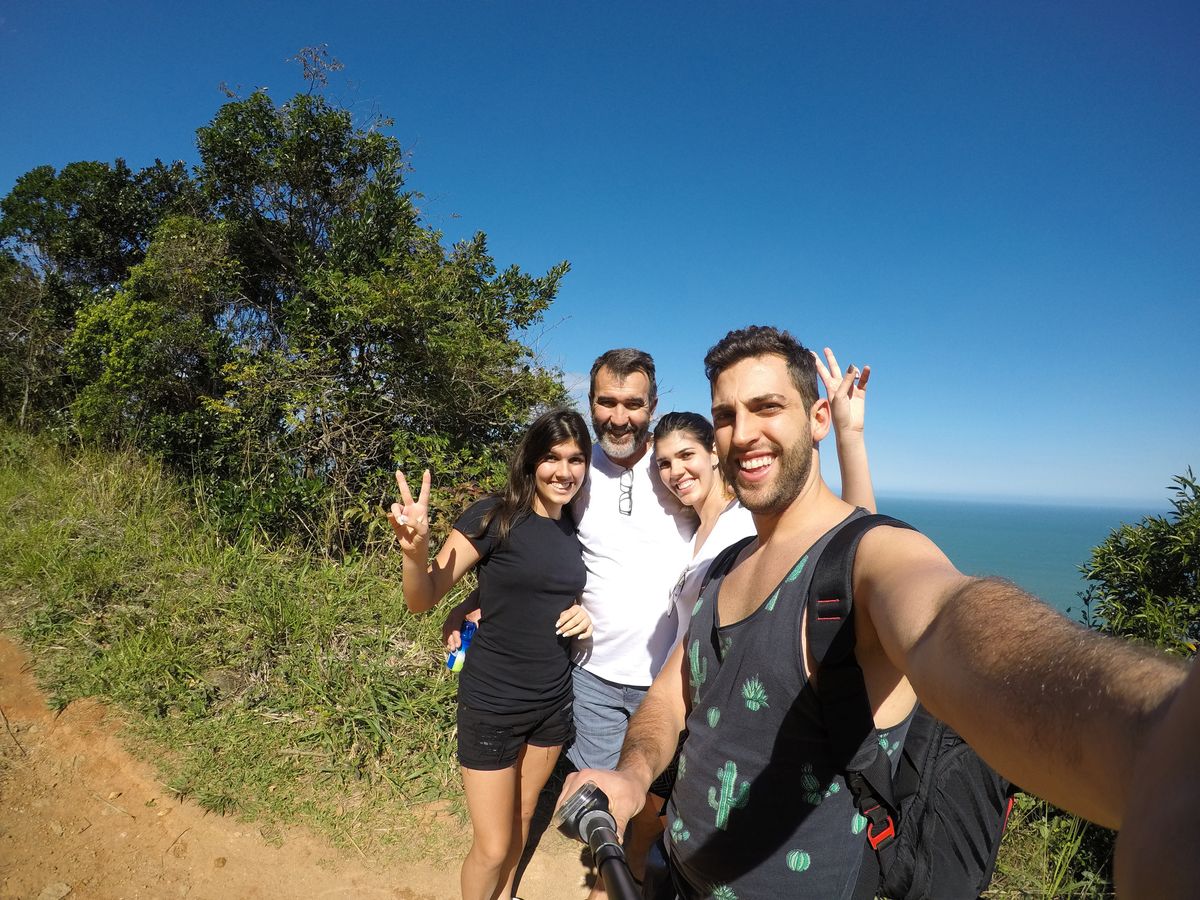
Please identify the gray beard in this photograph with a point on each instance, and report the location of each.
(620, 451)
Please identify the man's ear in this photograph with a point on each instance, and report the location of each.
(820, 420)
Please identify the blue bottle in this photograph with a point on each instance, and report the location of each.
(458, 658)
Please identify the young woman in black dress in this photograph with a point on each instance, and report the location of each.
(514, 697)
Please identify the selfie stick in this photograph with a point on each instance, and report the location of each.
(585, 817)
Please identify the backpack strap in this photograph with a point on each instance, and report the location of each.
(842, 693)
(724, 561)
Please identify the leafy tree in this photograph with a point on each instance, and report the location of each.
(85, 227)
(298, 183)
(281, 322)
(31, 342)
(364, 343)
(69, 236)
(1147, 576)
(147, 354)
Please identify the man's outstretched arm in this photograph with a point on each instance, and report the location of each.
(1158, 849)
(1058, 709)
(649, 745)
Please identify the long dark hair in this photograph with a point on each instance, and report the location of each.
(547, 431)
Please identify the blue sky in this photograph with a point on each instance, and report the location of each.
(997, 206)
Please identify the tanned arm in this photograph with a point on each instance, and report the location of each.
(848, 408)
(425, 584)
(1157, 850)
(856, 473)
(1058, 709)
(649, 745)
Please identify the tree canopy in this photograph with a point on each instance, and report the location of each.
(277, 320)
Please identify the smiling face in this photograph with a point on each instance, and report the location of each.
(764, 434)
(558, 477)
(621, 411)
(686, 467)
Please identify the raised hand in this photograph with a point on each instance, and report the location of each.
(847, 394)
(410, 520)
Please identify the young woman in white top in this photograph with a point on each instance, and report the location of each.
(687, 463)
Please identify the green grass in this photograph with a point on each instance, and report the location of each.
(264, 681)
(1048, 853)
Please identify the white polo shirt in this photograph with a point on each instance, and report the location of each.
(632, 564)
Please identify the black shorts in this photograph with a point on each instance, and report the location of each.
(490, 741)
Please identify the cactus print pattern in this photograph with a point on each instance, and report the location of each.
(731, 796)
(798, 860)
(754, 694)
(813, 795)
(679, 834)
(698, 668)
(796, 570)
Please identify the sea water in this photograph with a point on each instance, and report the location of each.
(1039, 547)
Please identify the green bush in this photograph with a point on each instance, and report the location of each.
(1146, 577)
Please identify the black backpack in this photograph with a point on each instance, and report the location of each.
(933, 829)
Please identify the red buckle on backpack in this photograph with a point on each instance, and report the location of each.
(886, 832)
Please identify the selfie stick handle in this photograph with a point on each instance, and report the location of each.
(601, 831)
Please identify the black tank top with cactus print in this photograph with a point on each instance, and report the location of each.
(758, 809)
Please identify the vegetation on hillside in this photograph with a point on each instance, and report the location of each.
(1145, 578)
(269, 682)
(277, 321)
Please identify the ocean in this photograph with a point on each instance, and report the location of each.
(1039, 547)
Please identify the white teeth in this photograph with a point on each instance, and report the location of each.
(758, 462)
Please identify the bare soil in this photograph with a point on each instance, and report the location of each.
(82, 818)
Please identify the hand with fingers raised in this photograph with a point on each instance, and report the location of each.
(410, 520)
(847, 394)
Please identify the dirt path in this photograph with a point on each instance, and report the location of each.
(81, 818)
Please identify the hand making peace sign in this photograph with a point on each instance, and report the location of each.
(410, 520)
(847, 395)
